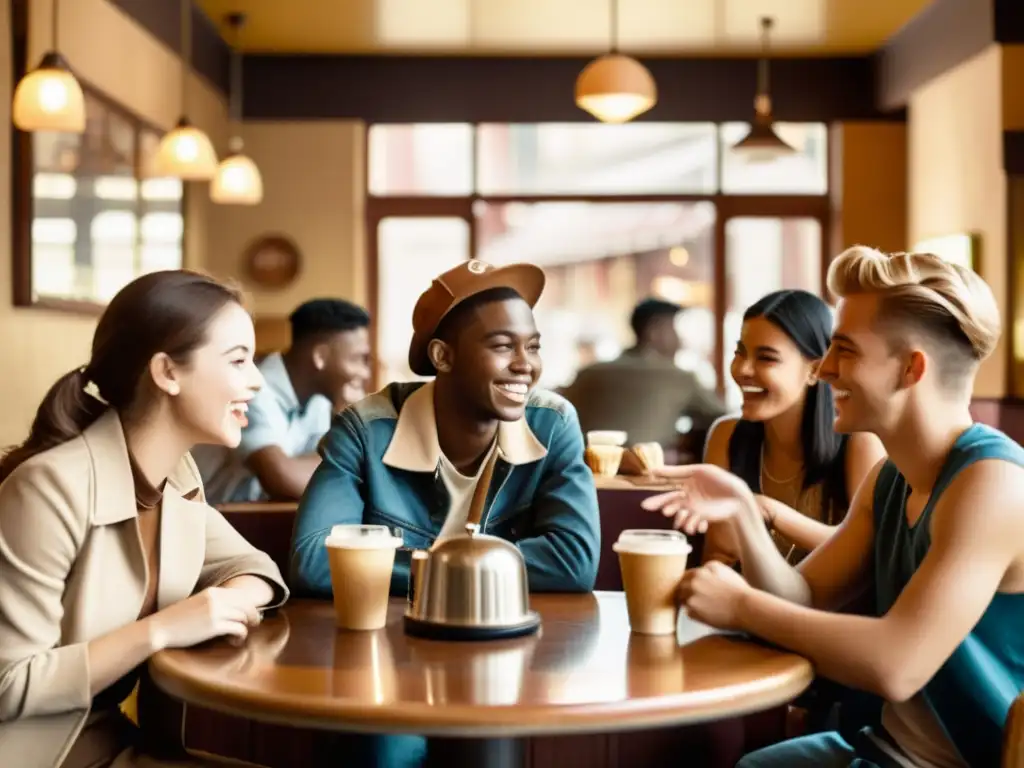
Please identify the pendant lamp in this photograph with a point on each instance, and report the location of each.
(238, 180)
(49, 97)
(186, 152)
(762, 143)
(615, 88)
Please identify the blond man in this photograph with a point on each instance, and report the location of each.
(935, 533)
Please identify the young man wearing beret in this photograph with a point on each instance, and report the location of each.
(410, 456)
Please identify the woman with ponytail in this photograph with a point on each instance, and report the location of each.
(783, 445)
(108, 551)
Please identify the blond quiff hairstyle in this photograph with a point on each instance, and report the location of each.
(923, 292)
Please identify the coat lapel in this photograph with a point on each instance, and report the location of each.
(182, 546)
(182, 519)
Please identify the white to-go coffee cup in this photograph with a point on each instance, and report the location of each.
(361, 559)
(652, 562)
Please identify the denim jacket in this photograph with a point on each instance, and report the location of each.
(380, 465)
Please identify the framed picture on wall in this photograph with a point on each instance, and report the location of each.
(963, 248)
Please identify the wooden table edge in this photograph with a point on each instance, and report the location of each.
(469, 721)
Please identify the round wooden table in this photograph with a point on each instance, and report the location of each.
(583, 672)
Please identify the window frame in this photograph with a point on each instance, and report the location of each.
(23, 206)
(727, 206)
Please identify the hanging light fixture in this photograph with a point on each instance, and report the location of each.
(49, 97)
(186, 152)
(615, 88)
(762, 143)
(238, 180)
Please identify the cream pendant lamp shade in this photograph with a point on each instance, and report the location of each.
(185, 153)
(615, 88)
(238, 180)
(49, 98)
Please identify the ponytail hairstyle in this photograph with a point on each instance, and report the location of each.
(165, 312)
(807, 321)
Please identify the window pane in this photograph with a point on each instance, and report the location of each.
(411, 252)
(421, 159)
(765, 255)
(804, 172)
(96, 225)
(600, 260)
(584, 158)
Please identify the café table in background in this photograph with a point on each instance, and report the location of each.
(584, 672)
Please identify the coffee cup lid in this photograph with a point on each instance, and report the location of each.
(364, 537)
(652, 541)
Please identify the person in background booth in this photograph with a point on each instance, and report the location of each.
(325, 369)
(108, 550)
(935, 533)
(643, 391)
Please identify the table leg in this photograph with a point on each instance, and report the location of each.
(476, 753)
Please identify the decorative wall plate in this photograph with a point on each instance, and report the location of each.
(272, 261)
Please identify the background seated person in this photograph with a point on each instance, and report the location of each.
(409, 456)
(325, 368)
(108, 552)
(783, 445)
(643, 391)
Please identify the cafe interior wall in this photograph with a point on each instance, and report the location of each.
(122, 60)
(956, 178)
(314, 194)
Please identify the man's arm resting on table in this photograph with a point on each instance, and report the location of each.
(563, 554)
(976, 534)
(333, 497)
(280, 475)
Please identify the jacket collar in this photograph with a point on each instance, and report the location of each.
(114, 491)
(414, 445)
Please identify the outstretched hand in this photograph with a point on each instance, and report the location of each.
(704, 494)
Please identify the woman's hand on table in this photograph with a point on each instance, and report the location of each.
(712, 594)
(704, 494)
(214, 612)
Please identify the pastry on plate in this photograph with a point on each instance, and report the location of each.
(643, 459)
(603, 460)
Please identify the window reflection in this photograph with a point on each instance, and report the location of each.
(600, 260)
(99, 222)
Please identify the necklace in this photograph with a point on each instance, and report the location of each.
(766, 473)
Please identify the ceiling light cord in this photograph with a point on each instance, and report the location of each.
(186, 52)
(613, 21)
(55, 25)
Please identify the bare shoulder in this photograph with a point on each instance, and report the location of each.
(864, 453)
(983, 500)
(866, 444)
(717, 448)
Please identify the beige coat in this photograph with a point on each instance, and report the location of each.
(72, 569)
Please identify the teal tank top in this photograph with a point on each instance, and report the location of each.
(972, 692)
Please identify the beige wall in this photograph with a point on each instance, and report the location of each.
(313, 181)
(118, 57)
(869, 185)
(955, 176)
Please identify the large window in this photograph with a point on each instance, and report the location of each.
(613, 213)
(98, 220)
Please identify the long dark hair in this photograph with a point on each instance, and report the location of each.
(159, 312)
(807, 321)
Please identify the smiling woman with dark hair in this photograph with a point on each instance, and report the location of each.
(783, 444)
